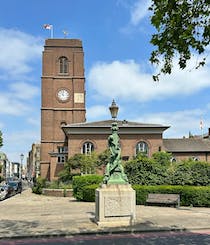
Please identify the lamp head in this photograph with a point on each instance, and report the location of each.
(114, 109)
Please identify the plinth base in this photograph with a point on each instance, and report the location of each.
(115, 205)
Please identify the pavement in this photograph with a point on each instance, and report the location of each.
(30, 215)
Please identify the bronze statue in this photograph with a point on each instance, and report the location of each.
(114, 173)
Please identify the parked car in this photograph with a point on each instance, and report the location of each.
(3, 192)
(16, 185)
(6, 191)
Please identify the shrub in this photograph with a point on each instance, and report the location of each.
(146, 171)
(189, 195)
(57, 184)
(39, 184)
(89, 193)
(80, 181)
(159, 171)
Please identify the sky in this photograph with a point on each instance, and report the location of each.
(116, 41)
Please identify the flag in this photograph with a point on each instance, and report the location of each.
(47, 26)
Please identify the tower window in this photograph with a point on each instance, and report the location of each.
(63, 62)
(62, 154)
(142, 147)
(87, 148)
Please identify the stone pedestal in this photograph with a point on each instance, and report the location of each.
(115, 205)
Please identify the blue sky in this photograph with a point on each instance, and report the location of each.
(115, 36)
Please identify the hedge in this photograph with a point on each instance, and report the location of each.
(89, 193)
(189, 195)
(80, 181)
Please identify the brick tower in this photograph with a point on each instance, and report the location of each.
(62, 100)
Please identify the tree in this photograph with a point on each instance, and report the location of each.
(183, 27)
(1, 139)
(162, 157)
(103, 158)
(78, 164)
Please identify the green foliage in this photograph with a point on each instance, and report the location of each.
(39, 184)
(1, 139)
(89, 192)
(142, 191)
(182, 27)
(57, 184)
(80, 181)
(145, 171)
(189, 195)
(159, 171)
(103, 158)
(80, 163)
(162, 157)
(85, 164)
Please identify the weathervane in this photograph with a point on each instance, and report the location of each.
(65, 33)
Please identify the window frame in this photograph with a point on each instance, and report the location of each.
(139, 151)
(87, 148)
(63, 65)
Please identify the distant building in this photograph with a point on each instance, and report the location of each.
(198, 149)
(33, 162)
(5, 166)
(15, 170)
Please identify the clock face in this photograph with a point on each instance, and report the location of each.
(63, 94)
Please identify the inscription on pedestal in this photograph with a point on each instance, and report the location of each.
(117, 206)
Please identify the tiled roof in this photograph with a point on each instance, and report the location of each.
(123, 123)
(187, 145)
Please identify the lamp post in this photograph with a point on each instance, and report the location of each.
(21, 164)
(114, 172)
(115, 199)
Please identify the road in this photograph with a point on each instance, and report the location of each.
(149, 238)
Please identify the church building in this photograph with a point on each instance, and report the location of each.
(64, 130)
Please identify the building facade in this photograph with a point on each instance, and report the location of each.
(134, 137)
(5, 166)
(62, 100)
(64, 130)
(33, 162)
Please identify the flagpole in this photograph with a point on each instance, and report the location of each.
(50, 28)
(51, 31)
(201, 127)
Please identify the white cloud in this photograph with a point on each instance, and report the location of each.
(34, 121)
(139, 11)
(12, 102)
(11, 106)
(180, 122)
(17, 58)
(128, 80)
(22, 90)
(97, 112)
(21, 143)
(19, 49)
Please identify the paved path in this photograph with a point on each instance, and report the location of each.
(31, 215)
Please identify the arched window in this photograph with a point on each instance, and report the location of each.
(173, 159)
(195, 158)
(63, 62)
(87, 148)
(142, 147)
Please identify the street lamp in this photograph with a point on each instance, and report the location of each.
(114, 110)
(21, 164)
(114, 172)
